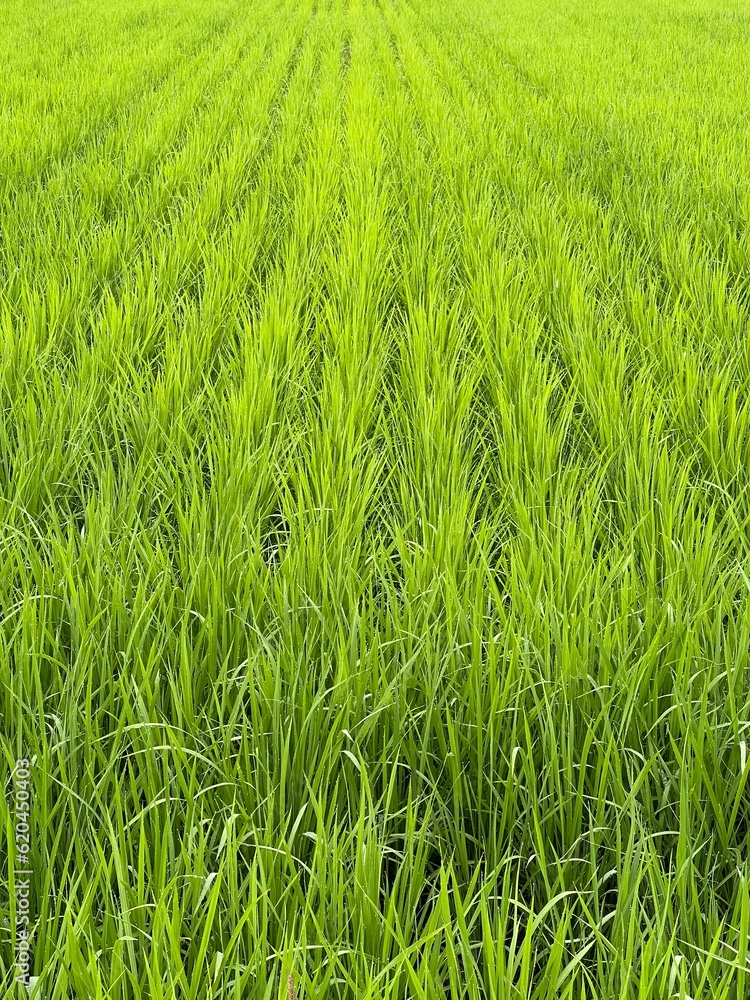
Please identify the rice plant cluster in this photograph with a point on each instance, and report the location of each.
(375, 498)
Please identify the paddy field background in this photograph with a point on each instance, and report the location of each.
(375, 498)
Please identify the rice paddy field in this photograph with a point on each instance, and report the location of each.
(375, 499)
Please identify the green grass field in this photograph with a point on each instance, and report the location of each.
(375, 499)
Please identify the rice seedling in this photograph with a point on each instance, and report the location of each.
(374, 500)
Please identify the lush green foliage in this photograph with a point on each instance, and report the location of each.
(374, 578)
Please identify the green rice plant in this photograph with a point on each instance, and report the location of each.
(374, 583)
